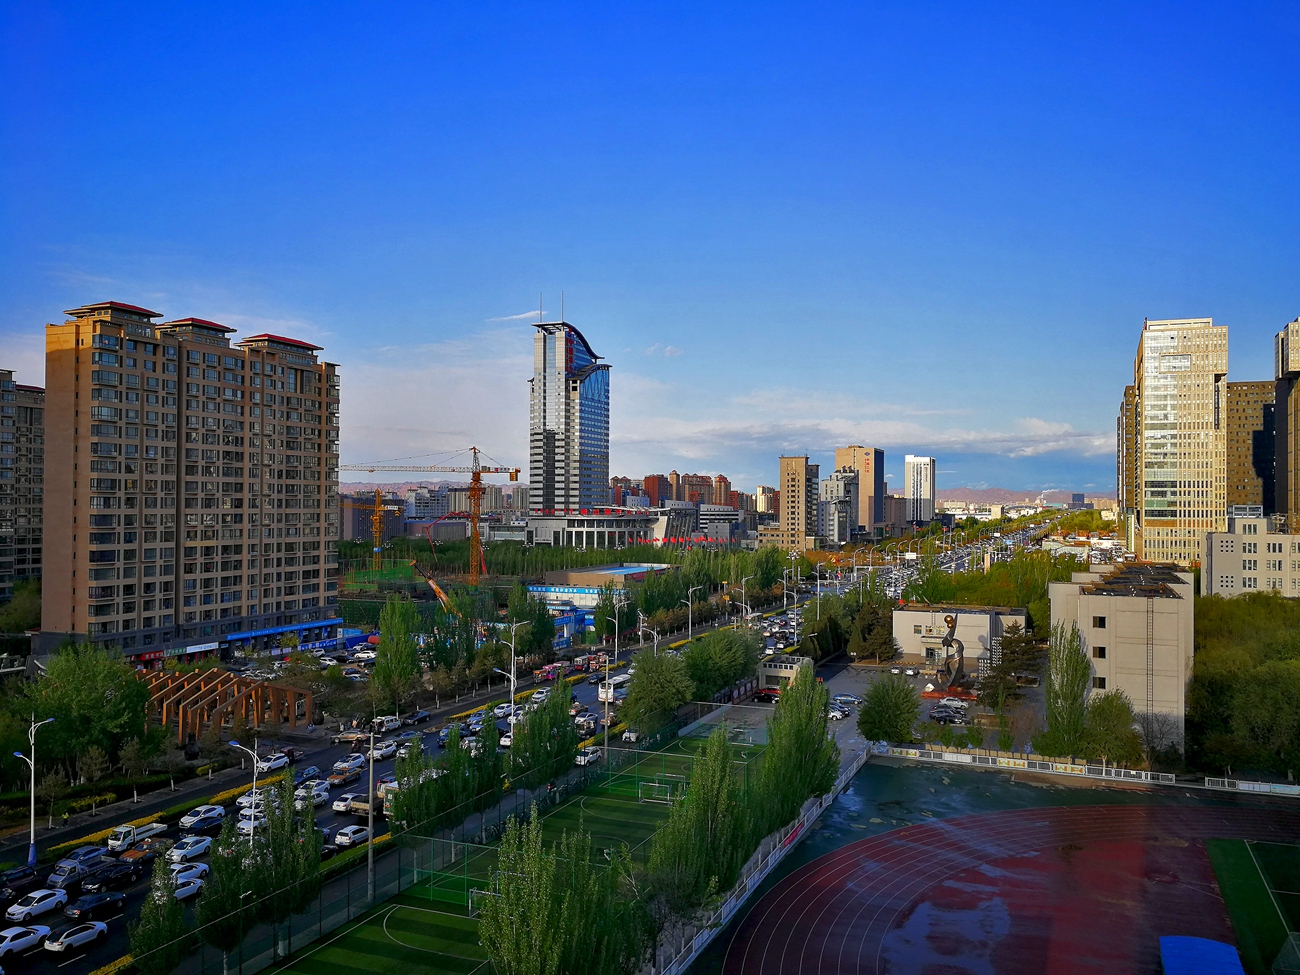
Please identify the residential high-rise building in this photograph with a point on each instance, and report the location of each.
(568, 451)
(1251, 430)
(1180, 372)
(1286, 370)
(1127, 449)
(837, 502)
(22, 479)
(797, 530)
(696, 488)
(765, 499)
(675, 486)
(195, 486)
(869, 462)
(722, 490)
(918, 487)
(657, 489)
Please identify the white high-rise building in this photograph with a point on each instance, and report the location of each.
(918, 486)
(568, 454)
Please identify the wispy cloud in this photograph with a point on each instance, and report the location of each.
(662, 351)
(516, 318)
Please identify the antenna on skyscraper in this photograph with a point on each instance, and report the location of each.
(540, 317)
(561, 306)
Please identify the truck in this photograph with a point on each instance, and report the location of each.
(124, 837)
(609, 689)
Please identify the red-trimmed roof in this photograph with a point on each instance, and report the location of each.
(117, 304)
(200, 321)
(29, 389)
(281, 339)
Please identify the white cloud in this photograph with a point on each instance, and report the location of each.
(516, 318)
(664, 351)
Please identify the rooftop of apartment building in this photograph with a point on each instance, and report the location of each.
(952, 608)
(1146, 580)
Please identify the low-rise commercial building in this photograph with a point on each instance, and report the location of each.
(919, 631)
(1252, 555)
(777, 671)
(1137, 627)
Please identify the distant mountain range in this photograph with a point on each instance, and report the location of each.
(1005, 496)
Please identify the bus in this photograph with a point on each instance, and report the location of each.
(609, 689)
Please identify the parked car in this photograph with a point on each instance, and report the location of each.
(95, 907)
(836, 714)
(350, 762)
(847, 699)
(410, 746)
(895, 670)
(307, 774)
(188, 889)
(386, 723)
(328, 851)
(588, 756)
(766, 697)
(189, 871)
(16, 882)
(911, 671)
(189, 848)
(353, 738)
(76, 936)
(273, 762)
(955, 702)
(419, 717)
(344, 802)
(111, 876)
(200, 813)
(351, 836)
(36, 903)
(249, 821)
(15, 941)
(365, 655)
(205, 825)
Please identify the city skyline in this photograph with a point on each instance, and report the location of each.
(784, 240)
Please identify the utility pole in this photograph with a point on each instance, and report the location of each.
(31, 762)
(370, 824)
(690, 613)
(607, 693)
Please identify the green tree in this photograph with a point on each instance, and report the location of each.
(545, 742)
(719, 659)
(658, 688)
(156, 938)
(604, 929)
(23, 611)
(396, 674)
(1266, 707)
(227, 908)
(52, 787)
(699, 852)
(287, 876)
(517, 926)
(801, 760)
(1069, 675)
(889, 710)
(1109, 729)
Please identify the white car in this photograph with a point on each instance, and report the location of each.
(364, 655)
(540, 697)
(588, 756)
(955, 702)
(318, 795)
(77, 935)
(501, 710)
(350, 763)
(836, 714)
(250, 820)
(506, 740)
(13, 941)
(273, 763)
(344, 802)
(199, 812)
(631, 735)
(351, 836)
(36, 903)
(190, 888)
(189, 848)
(515, 718)
(383, 749)
(587, 717)
(189, 871)
(251, 797)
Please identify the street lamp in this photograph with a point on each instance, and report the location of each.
(608, 693)
(252, 753)
(653, 633)
(743, 601)
(511, 675)
(31, 762)
(690, 613)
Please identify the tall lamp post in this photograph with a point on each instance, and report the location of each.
(690, 613)
(251, 753)
(744, 603)
(605, 688)
(31, 762)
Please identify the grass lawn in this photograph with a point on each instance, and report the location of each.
(1260, 883)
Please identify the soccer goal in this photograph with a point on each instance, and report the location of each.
(664, 787)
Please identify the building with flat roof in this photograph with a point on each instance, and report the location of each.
(1137, 627)
(777, 671)
(196, 485)
(919, 631)
(1250, 417)
(620, 575)
(798, 497)
(1252, 555)
(1286, 418)
(22, 481)
(919, 488)
(869, 462)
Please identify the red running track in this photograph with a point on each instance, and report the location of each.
(1057, 890)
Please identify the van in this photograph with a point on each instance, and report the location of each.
(390, 722)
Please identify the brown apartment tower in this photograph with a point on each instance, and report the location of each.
(1251, 429)
(191, 487)
(869, 462)
(22, 477)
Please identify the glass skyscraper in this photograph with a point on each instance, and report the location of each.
(568, 455)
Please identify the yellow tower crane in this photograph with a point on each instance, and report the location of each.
(476, 470)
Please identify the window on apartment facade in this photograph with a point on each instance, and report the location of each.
(916, 628)
(1098, 653)
(1099, 683)
(1099, 622)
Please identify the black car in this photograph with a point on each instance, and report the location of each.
(111, 876)
(419, 717)
(17, 882)
(327, 851)
(204, 826)
(96, 907)
(310, 772)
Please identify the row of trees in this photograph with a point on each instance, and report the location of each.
(558, 910)
(663, 682)
(1020, 581)
(265, 878)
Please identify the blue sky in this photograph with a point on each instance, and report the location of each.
(932, 228)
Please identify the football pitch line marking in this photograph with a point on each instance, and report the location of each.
(1250, 848)
(430, 951)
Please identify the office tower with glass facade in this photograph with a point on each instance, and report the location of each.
(568, 450)
(22, 479)
(918, 488)
(191, 487)
(1180, 374)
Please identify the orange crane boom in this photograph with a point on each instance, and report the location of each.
(477, 565)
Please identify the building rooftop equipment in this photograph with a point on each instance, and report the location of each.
(1142, 579)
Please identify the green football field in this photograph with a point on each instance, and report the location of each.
(1260, 883)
